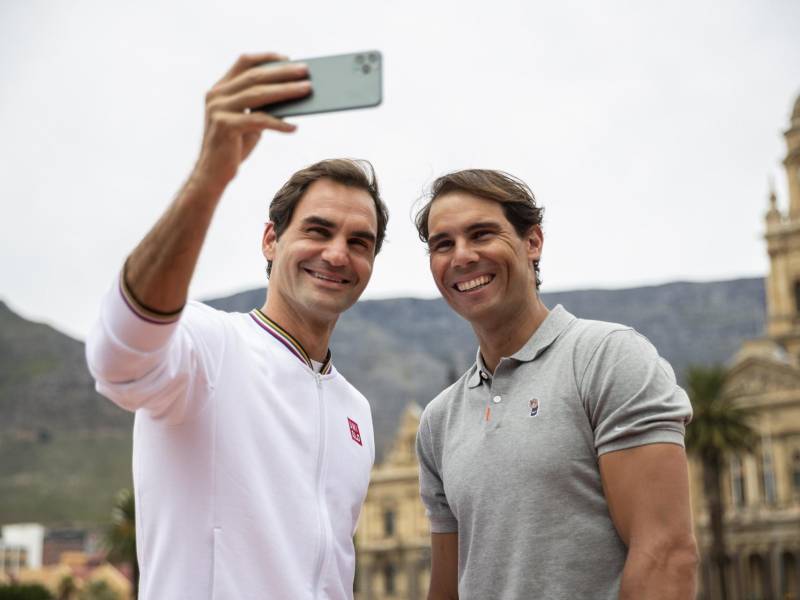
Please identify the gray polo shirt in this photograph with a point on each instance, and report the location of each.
(510, 460)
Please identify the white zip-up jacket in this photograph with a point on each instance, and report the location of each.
(249, 467)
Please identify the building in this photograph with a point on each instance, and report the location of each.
(393, 536)
(59, 541)
(762, 488)
(20, 547)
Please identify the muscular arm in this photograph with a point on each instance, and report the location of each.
(444, 567)
(647, 489)
(159, 270)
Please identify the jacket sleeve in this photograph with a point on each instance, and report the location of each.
(164, 365)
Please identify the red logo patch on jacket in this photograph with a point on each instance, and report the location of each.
(354, 432)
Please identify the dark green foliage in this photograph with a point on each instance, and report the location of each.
(719, 428)
(121, 534)
(25, 591)
(98, 590)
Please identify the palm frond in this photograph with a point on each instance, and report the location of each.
(718, 426)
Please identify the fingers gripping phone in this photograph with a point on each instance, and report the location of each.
(340, 82)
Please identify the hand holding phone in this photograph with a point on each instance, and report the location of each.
(232, 123)
(339, 82)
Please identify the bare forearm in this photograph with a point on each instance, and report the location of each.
(444, 567)
(159, 270)
(671, 576)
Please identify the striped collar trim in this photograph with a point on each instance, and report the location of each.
(145, 313)
(286, 338)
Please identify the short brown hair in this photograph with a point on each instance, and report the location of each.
(513, 194)
(350, 172)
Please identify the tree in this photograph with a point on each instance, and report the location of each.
(121, 535)
(24, 591)
(98, 590)
(67, 588)
(718, 429)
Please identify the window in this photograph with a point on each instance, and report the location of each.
(797, 296)
(796, 471)
(388, 579)
(388, 523)
(737, 482)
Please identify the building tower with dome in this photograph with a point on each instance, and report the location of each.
(761, 489)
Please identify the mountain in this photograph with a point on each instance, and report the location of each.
(405, 349)
(64, 450)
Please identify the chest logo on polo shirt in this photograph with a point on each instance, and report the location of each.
(533, 404)
(354, 432)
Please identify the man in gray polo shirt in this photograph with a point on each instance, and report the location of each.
(554, 467)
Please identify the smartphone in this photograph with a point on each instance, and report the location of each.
(339, 82)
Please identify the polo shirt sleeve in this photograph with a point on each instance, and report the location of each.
(166, 366)
(631, 395)
(431, 487)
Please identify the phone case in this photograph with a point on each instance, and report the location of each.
(340, 82)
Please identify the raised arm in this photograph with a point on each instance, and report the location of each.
(158, 272)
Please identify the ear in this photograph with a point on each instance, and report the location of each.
(535, 242)
(268, 241)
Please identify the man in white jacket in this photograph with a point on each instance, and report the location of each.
(251, 453)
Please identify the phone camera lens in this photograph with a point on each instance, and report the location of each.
(372, 56)
(359, 59)
(366, 68)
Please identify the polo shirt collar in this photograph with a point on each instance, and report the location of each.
(289, 341)
(478, 372)
(556, 321)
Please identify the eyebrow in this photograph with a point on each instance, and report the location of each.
(319, 221)
(362, 234)
(493, 225)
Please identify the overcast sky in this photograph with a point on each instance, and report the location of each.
(648, 130)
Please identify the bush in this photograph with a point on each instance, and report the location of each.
(28, 591)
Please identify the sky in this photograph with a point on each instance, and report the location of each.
(649, 131)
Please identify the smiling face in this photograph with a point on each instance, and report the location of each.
(323, 260)
(482, 267)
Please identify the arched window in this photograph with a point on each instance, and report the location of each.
(737, 482)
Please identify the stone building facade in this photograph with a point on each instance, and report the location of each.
(762, 488)
(393, 536)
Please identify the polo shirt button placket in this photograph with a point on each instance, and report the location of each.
(496, 406)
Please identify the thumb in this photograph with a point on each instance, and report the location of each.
(249, 141)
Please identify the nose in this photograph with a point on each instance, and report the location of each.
(335, 252)
(463, 254)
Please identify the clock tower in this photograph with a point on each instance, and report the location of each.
(783, 246)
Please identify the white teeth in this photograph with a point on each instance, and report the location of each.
(465, 286)
(327, 278)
